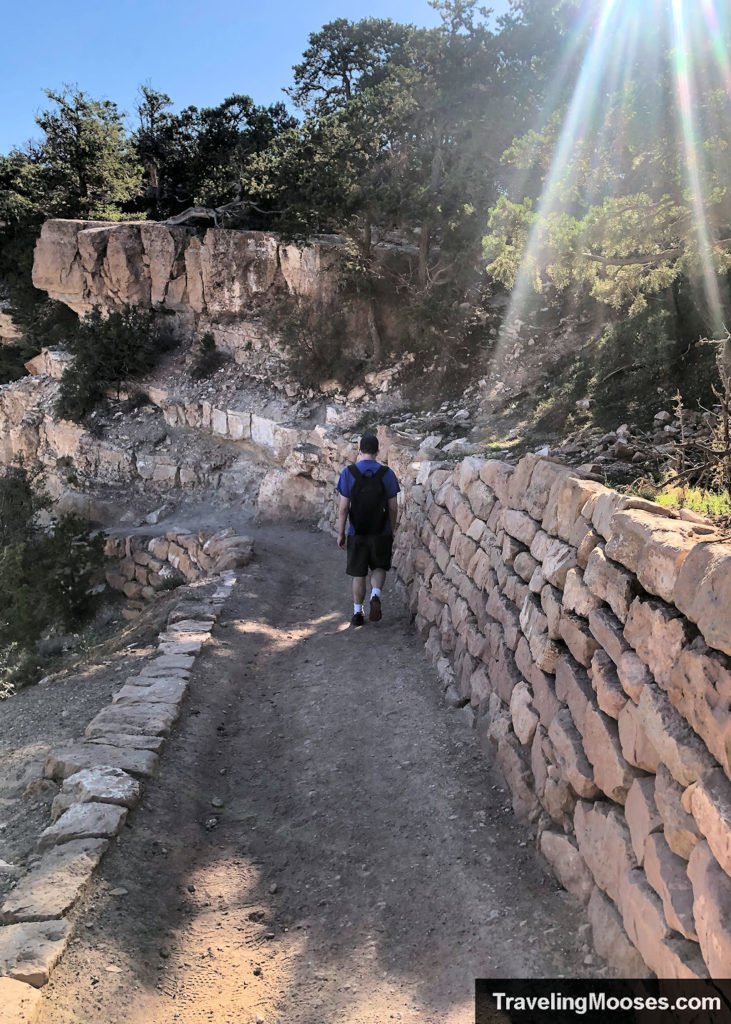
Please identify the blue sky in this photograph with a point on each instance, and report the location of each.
(197, 52)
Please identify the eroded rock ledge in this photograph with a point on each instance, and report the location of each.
(217, 274)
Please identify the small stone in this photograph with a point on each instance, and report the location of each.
(120, 891)
(273, 888)
(216, 802)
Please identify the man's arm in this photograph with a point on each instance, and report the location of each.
(393, 513)
(342, 519)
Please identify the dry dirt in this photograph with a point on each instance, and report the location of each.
(364, 865)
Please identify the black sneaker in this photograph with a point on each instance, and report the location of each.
(357, 620)
(374, 615)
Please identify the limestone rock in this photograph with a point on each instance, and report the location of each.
(574, 689)
(710, 802)
(703, 593)
(699, 686)
(544, 696)
(610, 939)
(552, 605)
(104, 785)
(679, 748)
(84, 821)
(642, 814)
(652, 547)
(519, 778)
(610, 695)
(65, 761)
(29, 951)
(575, 632)
(542, 479)
(524, 718)
(711, 909)
(285, 496)
(54, 884)
(658, 635)
(612, 773)
(667, 875)
(644, 920)
(570, 755)
(637, 747)
(605, 844)
(567, 864)
(679, 827)
(566, 500)
(160, 691)
(576, 595)
(633, 675)
(607, 629)
(132, 719)
(19, 1003)
(610, 583)
(559, 559)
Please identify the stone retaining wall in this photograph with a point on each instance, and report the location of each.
(589, 633)
(145, 562)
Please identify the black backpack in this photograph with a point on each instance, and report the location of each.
(368, 501)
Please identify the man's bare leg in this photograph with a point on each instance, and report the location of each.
(359, 590)
(378, 578)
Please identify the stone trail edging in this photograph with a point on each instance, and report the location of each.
(101, 780)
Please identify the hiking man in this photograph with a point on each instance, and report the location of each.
(367, 492)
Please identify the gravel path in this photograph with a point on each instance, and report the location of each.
(365, 864)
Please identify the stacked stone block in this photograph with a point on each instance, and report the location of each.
(589, 635)
(145, 562)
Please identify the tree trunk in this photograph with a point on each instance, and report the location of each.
(424, 253)
(373, 332)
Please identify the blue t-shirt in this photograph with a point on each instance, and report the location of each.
(368, 466)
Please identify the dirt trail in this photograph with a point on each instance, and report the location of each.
(365, 865)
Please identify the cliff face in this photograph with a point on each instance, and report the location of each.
(220, 273)
(217, 280)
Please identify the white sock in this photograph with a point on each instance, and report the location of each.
(357, 608)
(376, 592)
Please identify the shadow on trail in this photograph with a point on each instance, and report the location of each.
(365, 862)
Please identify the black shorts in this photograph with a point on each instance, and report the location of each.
(368, 552)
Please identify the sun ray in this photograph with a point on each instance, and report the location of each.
(687, 94)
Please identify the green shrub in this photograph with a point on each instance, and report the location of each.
(313, 337)
(109, 349)
(47, 572)
(206, 359)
